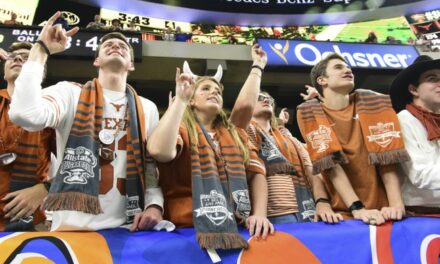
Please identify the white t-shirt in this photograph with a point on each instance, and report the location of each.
(55, 106)
(421, 175)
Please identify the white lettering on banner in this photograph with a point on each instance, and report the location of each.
(250, 1)
(356, 59)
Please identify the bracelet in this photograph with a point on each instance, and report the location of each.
(258, 67)
(44, 46)
(256, 74)
(322, 200)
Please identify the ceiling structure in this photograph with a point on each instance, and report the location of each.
(268, 12)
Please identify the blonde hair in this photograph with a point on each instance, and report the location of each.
(190, 121)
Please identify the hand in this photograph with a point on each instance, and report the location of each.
(325, 213)
(372, 217)
(259, 56)
(184, 86)
(23, 203)
(171, 98)
(284, 116)
(3, 55)
(54, 36)
(393, 212)
(259, 226)
(147, 219)
(311, 93)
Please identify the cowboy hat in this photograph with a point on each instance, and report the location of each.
(399, 93)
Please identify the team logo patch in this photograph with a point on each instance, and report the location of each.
(309, 209)
(241, 198)
(77, 165)
(383, 134)
(269, 151)
(132, 205)
(213, 206)
(320, 138)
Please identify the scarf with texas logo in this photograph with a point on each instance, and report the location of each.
(379, 125)
(76, 185)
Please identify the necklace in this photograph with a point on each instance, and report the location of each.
(108, 137)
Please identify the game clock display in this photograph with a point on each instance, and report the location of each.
(82, 44)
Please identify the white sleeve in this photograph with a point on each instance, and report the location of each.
(423, 170)
(153, 193)
(33, 108)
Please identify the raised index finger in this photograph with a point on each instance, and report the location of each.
(52, 19)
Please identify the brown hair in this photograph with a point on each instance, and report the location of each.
(114, 35)
(27, 46)
(20, 45)
(320, 70)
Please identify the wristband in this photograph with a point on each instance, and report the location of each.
(258, 67)
(322, 200)
(44, 46)
(356, 205)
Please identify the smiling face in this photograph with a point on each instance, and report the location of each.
(13, 64)
(208, 97)
(427, 93)
(337, 77)
(114, 53)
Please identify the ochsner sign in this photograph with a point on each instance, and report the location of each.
(308, 53)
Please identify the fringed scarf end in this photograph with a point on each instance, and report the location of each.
(73, 201)
(388, 157)
(221, 240)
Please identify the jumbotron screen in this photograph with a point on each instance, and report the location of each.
(282, 6)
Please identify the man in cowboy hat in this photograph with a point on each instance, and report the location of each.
(415, 95)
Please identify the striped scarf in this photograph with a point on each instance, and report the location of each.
(32, 163)
(219, 190)
(76, 185)
(280, 156)
(379, 125)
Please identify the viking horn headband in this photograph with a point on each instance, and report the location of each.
(218, 75)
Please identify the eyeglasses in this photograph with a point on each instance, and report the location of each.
(261, 98)
(24, 56)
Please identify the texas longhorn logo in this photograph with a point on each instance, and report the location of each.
(383, 134)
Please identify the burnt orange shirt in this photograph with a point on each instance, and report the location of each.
(176, 184)
(12, 136)
(364, 178)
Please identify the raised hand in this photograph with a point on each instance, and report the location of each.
(259, 56)
(311, 93)
(184, 86)
(284, 116)
(54, 36)
(3, 55)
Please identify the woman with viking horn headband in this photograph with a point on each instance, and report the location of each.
(206, 162)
